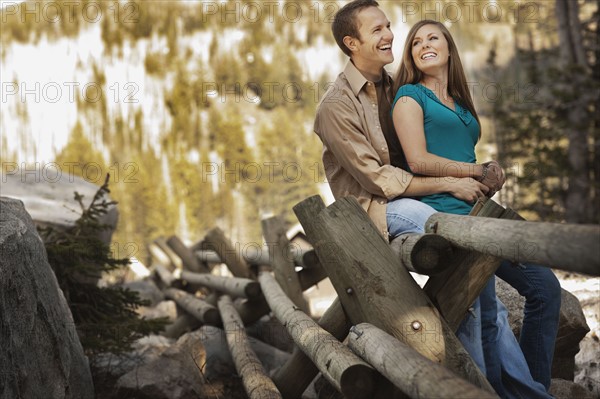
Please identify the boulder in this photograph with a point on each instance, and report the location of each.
(41, 354)
(175, 374)
(572, 327)
(563, 389)
(50, 202)
(147, 290)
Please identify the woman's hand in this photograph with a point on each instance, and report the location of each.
(494, 178)
(467, 189)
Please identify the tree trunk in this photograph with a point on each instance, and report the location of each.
(415, 375)
(343, 369)
(234, 286)
(198, 308)
(189, 261)
(563, 246)
(295, 375)
(572, 53)
(256, 381)
(281, 261)
(216, 240)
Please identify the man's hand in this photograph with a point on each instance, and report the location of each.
(494, 178)
(467, 189)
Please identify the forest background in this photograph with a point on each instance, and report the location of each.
(202, 111)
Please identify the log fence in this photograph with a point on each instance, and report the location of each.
(383, 331)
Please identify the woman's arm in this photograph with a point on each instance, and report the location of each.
(408, 120)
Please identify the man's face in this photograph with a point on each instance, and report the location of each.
(374, 46)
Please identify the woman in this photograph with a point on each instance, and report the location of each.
(438, 128)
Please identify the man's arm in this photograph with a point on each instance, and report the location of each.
(347, 141)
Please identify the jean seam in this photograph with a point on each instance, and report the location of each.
(412, 222)
(540, 318)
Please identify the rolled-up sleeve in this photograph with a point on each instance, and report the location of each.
(338, 125)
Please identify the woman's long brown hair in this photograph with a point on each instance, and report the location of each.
(408, 73)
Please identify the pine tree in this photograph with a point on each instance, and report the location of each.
(105, 317)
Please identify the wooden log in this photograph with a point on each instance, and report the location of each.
(183, 324)
(374, 287)
(198, 308)
(310, 277)
(310, 259)
(427, 254)
(163, 276)
(250, 310)
(415, 375)
(296, 374)
(256, 382)
(187, 257)
(343, 369)
(174, 262)
(251, 255)
(234, 286)
(563, 246)
(281, 261)
(455, 290)
(217, 241)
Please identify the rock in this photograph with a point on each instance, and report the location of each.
(41, 354)
(175, 374)
(48, 197)
(572, 327)
(147, 291)
(166, 309)
(563, 389)
(588, 364)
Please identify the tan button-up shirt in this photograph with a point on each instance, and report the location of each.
(355, 153)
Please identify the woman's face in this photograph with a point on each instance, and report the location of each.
(429, 49)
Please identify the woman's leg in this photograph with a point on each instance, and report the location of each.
(542, 293)
(407, 215)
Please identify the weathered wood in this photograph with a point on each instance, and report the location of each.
(415, 375)
(201, 310)
(183, 324)
(455, 290)
(251, 255)
(217, 241)
(310, 277)
(250, 310)
(281, 261)
(163, 277)
(174, 262)
(563, 246)
(234, 286)
(310, 259)
(187, 257)
(296, 374)
(256, 382)
(374, 287)
(343, 369)
(424, 253)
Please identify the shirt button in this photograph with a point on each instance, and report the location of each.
(383, 148)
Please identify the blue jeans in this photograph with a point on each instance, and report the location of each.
(485, 332)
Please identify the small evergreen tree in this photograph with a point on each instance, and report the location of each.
(105, 317)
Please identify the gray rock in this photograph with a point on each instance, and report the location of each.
(41, 355)
(147, 290)
(166, 309)
(563, 389)
(572, 327)
(48, 197)
(174, 375)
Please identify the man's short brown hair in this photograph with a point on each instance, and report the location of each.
(345, 24)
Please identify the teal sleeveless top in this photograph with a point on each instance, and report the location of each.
(449, 133)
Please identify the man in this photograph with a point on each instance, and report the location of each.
(354, 123)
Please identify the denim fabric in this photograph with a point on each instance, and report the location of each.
(542, 293)
(485, 332)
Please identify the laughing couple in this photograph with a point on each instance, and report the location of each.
(405, 148)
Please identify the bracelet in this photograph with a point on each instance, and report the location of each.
(484, 173)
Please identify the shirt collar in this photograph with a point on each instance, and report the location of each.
(357, 80)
